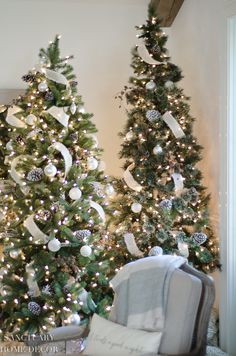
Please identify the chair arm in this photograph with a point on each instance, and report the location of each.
(62, 333)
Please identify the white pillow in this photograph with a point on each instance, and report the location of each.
(109, 339)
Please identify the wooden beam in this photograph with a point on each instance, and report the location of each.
(167, 10)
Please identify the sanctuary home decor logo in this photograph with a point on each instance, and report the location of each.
(24, 344)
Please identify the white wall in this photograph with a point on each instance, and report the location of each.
(100, 33)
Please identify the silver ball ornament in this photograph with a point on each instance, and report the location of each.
(31, 119)
(156, 251)
(54, 245)
(150, 85)
(129, 135)
(9, 146)
(92, 163)
(169, 84)
(42, 87)
(86, 251)
(157, 150)
(109, 190)
(136, 208)
(75, 193)
(50, 170)
(73, 319)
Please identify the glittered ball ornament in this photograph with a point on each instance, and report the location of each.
(136, 208)
(156, 251)
(35, 175)
(199, 237)
(50, 170)
(150, 85)
(54, 245)
(31, 119)
(152, 115)
(15, 253)
(169, 84)
(42, 87)
(73, 319)
(157, 150)
(166, 204)
(92, 163)
(75, 193)
(85, 251)
(34, 308)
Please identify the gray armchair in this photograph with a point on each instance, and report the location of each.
(190, 300)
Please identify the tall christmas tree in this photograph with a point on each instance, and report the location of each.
(161, 206)
(52, 205)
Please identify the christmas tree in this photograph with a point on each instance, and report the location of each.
(161, 206)
(53, 203)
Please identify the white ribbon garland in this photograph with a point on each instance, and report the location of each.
(131, 245)
(38, 236)
(65, 154)
(99, 209)
(173, 125)
(56, 77)
(59, 114)
(145, 55)
(12, 120)
(178, 182)
(32, 284)
(130, 181)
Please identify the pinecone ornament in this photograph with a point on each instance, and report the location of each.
(152, 115)
(29, 78)
(199, 238)
(44, 215)
(34, 308)
(35, 175)
(166, 204)
(156, 49)
(49, 96)
(82, 234)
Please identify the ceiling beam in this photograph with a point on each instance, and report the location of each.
(167, 10)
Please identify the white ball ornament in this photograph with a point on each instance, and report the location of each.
(75, 193)
(109, 190)
(86, 251)
(151, 85)
(136, 208)
(54, 245)
(157, 150)
(9, 146)
(31, 119)
(156, 251)
(129, 135)
(42, 87)
(50, 170)
(74, 319)
(92, 163)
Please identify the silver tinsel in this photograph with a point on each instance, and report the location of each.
(35, 175)
(166, 204)
(82, 234)
(34, 308)
(199, 238)
(152, 115)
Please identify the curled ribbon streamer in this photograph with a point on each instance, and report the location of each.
(130, 181)
(179, 183)
(59, 114)
(173, 125)
(16, 176)
(38, 236)
(131, 245)
(31, 283)
(99, 209)
(12, 120)
(54, 76)
(145, 55)
(66, 155)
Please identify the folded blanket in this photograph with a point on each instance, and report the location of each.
(141, 291)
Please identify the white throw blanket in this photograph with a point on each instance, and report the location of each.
(141, 291)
